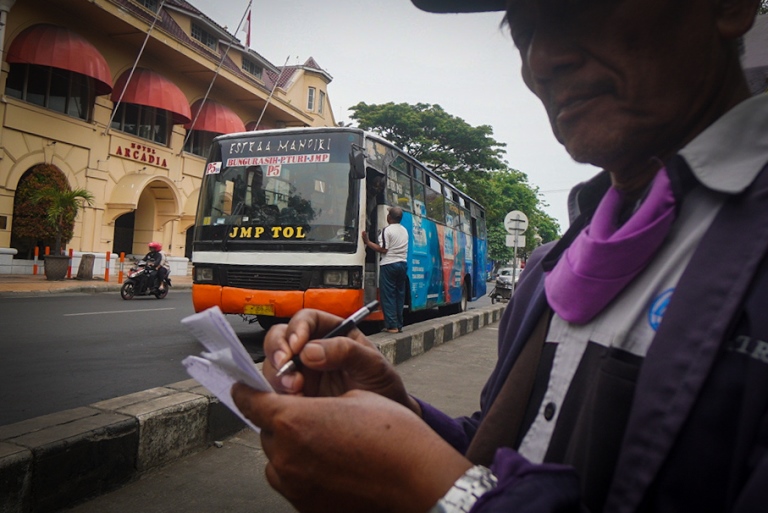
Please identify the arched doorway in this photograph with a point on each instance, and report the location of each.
(144, 209)
(122, 241)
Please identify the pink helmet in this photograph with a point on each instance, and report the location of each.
(155, 246)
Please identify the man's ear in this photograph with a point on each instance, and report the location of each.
(735, 17)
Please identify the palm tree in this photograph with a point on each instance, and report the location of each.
(62, 206)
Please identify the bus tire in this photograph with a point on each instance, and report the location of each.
(464, 303)
(267, 321)
(459, 307)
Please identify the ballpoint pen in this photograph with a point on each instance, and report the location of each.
(347, 324)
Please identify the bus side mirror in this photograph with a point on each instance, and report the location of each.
(357, 162)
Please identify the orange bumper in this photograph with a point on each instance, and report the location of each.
(341, 302)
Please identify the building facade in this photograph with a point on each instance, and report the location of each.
(122, 98)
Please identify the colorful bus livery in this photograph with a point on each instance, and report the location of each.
(280, 216)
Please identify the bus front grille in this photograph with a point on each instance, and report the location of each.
(267, 278)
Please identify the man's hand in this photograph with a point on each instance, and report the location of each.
(331, 367)
(358, 452)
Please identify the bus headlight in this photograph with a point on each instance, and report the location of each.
(203, 273)
(336, 278)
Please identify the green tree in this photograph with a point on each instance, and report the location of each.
(763, 9)
(498, 251)
(450, 145)
(503, 191)
(467, 156)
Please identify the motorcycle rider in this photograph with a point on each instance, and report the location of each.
(156, 260)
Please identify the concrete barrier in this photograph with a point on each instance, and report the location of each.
(50, 462)
(6, 260)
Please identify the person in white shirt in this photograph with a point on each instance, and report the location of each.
(393, 269)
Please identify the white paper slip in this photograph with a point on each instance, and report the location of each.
(225, 363)
(217, 381)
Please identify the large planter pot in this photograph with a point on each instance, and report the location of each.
(56, 267)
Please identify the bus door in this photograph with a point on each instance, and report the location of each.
(479, 251)
(375, 220)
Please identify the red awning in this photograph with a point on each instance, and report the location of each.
(153, 90)
(58, 47)
(215, 117)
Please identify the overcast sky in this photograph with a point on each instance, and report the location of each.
(389, 51)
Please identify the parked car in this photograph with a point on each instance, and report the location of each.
(509, 275)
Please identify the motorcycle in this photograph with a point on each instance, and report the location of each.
(140, 282)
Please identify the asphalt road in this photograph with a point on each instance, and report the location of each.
(66, 351)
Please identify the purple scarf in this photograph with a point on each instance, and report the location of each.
(603, 259)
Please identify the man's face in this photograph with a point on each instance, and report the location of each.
(622, 80)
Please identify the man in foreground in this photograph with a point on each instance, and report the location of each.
(645, 324)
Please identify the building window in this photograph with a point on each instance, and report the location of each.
(146, 122)
(321, 102)
(311, 99)
(149, 4)
(199, 142)
(252, 68)
(204, 37)
(53, 88)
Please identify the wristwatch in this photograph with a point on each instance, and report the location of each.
(466, 490)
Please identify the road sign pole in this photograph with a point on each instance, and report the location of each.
(514, 266)
(515, 222)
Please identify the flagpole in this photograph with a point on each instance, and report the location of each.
(277, 81)
(133, 68)
(215, 75)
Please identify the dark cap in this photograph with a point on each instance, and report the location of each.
(460, 5)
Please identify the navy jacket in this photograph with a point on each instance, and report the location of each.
(697, 434)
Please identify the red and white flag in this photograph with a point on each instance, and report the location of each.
(248, 29)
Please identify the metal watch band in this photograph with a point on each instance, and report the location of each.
(466, 490)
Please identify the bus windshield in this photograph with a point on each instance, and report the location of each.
(279, 190)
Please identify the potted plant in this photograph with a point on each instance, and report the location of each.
(61, 206)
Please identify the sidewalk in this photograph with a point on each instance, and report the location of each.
(28, 284)
(229, 475)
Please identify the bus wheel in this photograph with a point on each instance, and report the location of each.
(464, 298)
(459, 307)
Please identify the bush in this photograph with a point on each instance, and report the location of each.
(45, 207)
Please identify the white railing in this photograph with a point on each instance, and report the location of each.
(10, 265)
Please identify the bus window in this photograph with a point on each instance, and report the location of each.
(375, 152)
(466, 223)
(435, 200)
(419, 202)
(399, 190)
(399, 164)
(452, 217)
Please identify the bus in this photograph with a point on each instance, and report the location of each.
(280, 216)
